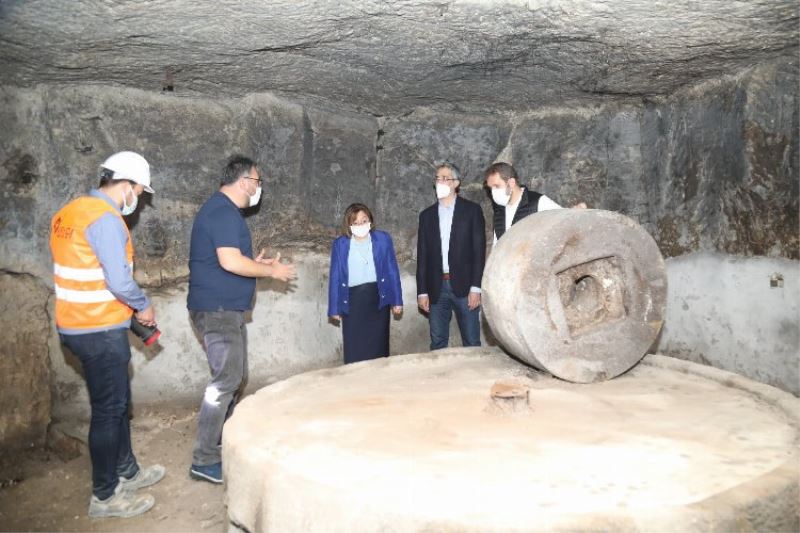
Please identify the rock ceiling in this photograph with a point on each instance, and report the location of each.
(388, 57)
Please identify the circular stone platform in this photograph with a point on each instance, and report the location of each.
(419, 443)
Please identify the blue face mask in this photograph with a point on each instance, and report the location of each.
(128, 209)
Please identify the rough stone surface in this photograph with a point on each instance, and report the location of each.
(642, 158)
(711, 168)
(736, 313)
(57, 137)
(721, 164)
(24, 362)
(715, 176)
(410, 149)
(407, 444)
(578, 293)
(388, 57)
(591, 155)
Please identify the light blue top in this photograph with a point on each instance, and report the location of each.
(108, 238)
(388, 274)
(445, 223)
(360, 263)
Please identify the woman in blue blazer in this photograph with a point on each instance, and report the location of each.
(364, 283)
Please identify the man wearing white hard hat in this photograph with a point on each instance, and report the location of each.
(96, 299)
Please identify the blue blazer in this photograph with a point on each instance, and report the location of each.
(386, 269)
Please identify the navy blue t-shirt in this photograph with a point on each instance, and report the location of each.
(218, 224)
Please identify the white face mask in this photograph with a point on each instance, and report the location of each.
(128, 209)
(501, 196)
(256, 197)
(361, 230)
(442, 190)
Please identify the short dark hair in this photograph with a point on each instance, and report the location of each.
(504, 170)
(350, 215)
(107, 179)
(236, 167)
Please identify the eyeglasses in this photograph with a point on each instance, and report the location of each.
(437, 179)
(257, 180)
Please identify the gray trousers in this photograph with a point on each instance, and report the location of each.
(225, 341)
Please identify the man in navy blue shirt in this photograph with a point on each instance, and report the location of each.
(222, 282)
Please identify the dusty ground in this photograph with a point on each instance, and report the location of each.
(42, 492)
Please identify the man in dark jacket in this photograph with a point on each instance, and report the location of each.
(451, 251)
(512, 202)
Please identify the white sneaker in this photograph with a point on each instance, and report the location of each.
(122, 503)
(143, 478)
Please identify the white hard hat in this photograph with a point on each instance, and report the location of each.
(130, 166)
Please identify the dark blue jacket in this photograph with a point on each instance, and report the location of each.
(386, 269)
(467, 250)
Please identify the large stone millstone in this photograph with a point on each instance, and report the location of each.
(467, 439)
(578, 293)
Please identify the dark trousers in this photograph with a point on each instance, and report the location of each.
(104, 357)
(365, 328)
(469, 322)
(225, 341)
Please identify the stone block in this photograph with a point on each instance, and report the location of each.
(24, 362)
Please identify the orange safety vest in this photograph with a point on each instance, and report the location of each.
(83, 300)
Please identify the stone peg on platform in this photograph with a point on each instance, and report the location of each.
(580, 293)
(509, 396)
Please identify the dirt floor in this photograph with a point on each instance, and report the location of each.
(40, 491)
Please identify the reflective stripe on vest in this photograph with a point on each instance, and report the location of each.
(83, 297)
(78, 274)
(83, 300)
